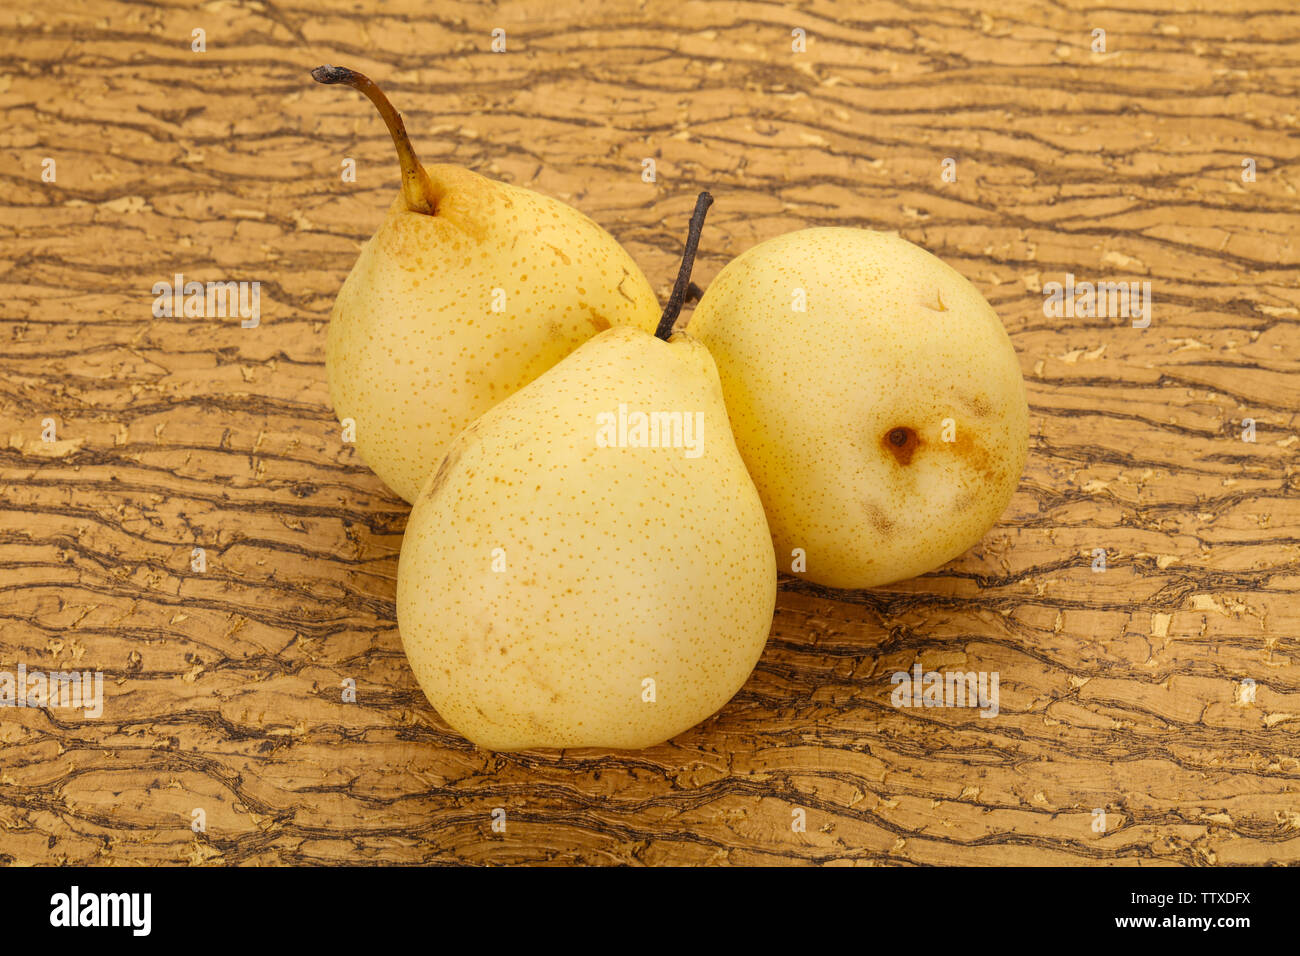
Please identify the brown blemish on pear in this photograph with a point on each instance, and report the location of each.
(879, 520)
(901, 442)
(974, 454)
(938, 305)
(438, 478)
(449, 460)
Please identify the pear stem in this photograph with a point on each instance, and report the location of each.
(417, 190)
(683, 283)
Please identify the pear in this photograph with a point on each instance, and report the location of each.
(469, 290)
(590, 565)
(885, 423)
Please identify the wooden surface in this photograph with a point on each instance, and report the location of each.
(1120, 691)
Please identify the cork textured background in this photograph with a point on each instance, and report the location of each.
(1125, 691)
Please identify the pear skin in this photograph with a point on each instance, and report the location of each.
(886, 427)
(560, 586)
(415, 351)
(468, 291)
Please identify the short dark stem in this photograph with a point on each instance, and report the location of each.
(674, 306)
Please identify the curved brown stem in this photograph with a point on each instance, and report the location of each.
(417, 190)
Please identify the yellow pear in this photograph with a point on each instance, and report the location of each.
(875, 397)
(590, 565)
(470, 289)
